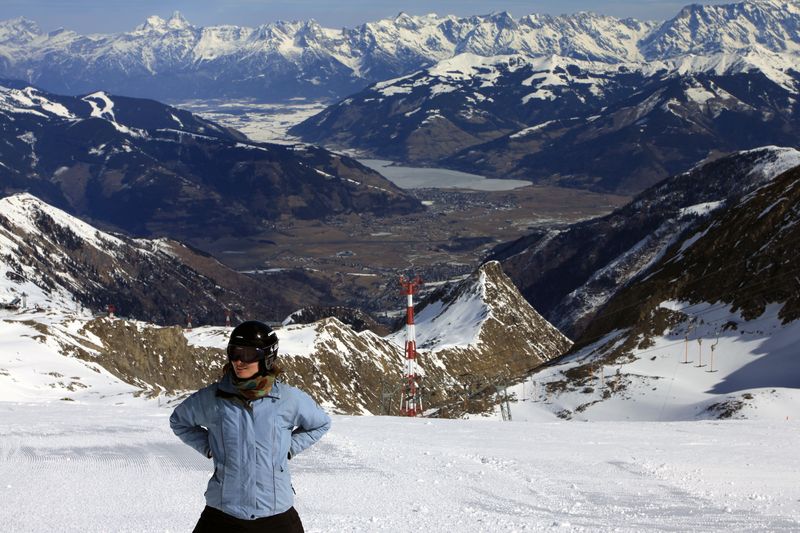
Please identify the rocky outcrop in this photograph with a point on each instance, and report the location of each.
(477, 330)
(483, 325)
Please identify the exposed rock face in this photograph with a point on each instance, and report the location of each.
(341, 368)
(485, 314)
(477, 332)
(479, 329)
(156, 359)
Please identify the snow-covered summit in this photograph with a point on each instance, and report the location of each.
(483, 314)
(35, 244)
(18, 31)
(703, 29)
(32, 101)
(158, 24)
(24, 209)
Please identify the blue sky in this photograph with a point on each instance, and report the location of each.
(106, 16)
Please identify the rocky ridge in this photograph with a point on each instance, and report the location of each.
(713, 287)
(569, 273)
(55, 261)
(346, 371)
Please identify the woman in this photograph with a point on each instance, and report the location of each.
(250, 424)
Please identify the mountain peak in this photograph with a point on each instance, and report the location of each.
(20, 22)
(736, 27)
(153, 22)
(177, 21)
(501, 16)
(59, 260)
(484, 304)
(158, 24)
(404, 20)
(19, 30)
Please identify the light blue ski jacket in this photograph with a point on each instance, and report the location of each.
(250, 444)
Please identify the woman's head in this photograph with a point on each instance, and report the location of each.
(252, 347)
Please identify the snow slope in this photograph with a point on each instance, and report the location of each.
(33, 369)
(92, 468)
(754, 373)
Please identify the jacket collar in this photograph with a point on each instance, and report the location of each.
(226, 385)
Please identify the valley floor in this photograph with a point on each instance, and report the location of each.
(90, 467)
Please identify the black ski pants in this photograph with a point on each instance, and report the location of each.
(215, 521)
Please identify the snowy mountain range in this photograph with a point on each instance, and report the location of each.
(148, 168)
(691, 285)
(712, 80)
(172, 59)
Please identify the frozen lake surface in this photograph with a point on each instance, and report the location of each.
(438, 178)
(271, 122)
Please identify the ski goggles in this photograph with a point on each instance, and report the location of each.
(251, 354)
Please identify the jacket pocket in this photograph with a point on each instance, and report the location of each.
(214, 490)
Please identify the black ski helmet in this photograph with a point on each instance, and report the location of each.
(253, 341)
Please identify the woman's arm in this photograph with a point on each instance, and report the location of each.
(188, 419)
(311, 421)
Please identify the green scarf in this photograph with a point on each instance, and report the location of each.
(255, 387)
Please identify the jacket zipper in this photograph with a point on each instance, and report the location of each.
(274, 483)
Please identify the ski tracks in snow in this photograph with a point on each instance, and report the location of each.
(102, 468)
(533, 477)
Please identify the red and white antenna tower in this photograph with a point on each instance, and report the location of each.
(111, 309)
(410, 403)
(188, 322)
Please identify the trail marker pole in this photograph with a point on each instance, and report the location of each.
(713, 346)
(686, 349)
(686, 344)
(700, 353)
